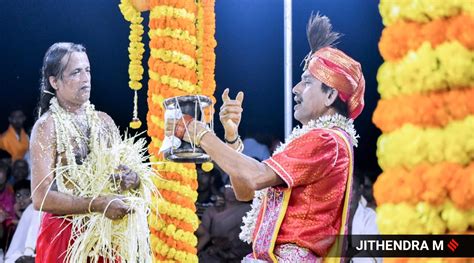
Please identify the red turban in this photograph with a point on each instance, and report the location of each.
(337, 70)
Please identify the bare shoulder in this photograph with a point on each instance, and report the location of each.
(108, 122)
(105, 118)
(43, 128)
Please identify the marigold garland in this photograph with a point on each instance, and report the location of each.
(398, 39)
(136, 50)
(435, 109)
(433, 184)
(427, 148)
(412, 145)
(448, 66)
(175, 67)
(421, 10)
(206, 48)
(182, 62)
(208, 45)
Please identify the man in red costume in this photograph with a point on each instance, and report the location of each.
(303, 190)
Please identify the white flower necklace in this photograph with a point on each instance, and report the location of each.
(68, 131)
(323, 122)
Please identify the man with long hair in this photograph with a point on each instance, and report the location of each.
(61, 139)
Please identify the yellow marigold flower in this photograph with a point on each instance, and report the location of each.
(135, 85)
(207, 166)
(135, 124)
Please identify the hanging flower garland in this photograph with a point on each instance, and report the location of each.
(433, 184)
(448, 66)
(412, 145)
(176, 67)
(207, 45)
(172, 64)
(172, 67)
(428, 111)
(401, 37)
(427, 149)
(136, 50)
(421, 10)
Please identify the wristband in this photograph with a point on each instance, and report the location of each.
(233, 141)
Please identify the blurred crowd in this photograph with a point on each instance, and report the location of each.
(19, 222)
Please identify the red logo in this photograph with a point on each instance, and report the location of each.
(453, 245)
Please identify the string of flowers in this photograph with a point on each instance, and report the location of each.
(172, 71)
(401, 37)
(448, 66)
(172, 64)
(411, 145)
(423, 218)
(433, 184)
(428, 111)
(182, 62)
(421, 10)
(136, 49)
(207, 45)
(427, 149)
(176, 68)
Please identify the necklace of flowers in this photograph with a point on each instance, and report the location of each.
(323, 122)
(67, 130)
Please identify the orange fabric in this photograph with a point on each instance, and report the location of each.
(339, 71)
(315, 166)
(16, 148)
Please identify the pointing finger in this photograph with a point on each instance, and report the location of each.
(240, 96)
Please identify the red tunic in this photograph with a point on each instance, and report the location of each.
(316, 167)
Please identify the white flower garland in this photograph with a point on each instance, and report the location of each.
(251, 217)
(323, 122)
(66, 132)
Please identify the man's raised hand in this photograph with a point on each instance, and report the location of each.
(230, 114)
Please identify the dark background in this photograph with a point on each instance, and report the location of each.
(249, 54)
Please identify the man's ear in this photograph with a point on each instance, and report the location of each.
(331, 97)
(53, 81)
